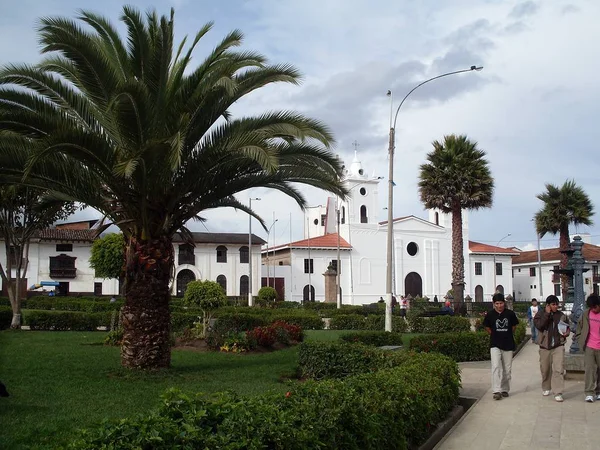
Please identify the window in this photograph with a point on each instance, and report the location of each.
(62, 266)
(532, 271)
(437, 219)
(363, 191)
(244, 254)
(412, 248)
(221, 254)
(513, 273)
(498, 268)
(186, 254)
(14, 251)
(308, 294)
(323, 218)
(97, 288)
(64, 247)
(363, 214)
(223, 282)
(478, 268)
(334, 265)
(557, 290)
(343, 215)
(316, 221)
(244, 289)
(309, 266)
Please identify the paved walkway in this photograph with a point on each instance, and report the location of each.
(525, 420)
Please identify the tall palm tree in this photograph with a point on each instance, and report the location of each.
(456, 177)
(127, 125)
(562, 206)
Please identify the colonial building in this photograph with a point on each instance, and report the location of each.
(526, 272)
(422, 252)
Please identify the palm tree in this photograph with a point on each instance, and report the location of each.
(562, 206)
(456, 177)
(126, 125)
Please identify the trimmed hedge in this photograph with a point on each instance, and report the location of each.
(5, 317)
(438, 324)
(68, 304)
(370, 323)
(375, 338)
(65, 320)
(461, 346)
(354, 413)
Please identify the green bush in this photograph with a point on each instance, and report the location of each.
(520, 332)
(347, 322)
(114, 338)
(370, 322)
(267, 296)
(64, 320)
(458, 346)
(73, 304)
(183, 320)
(391, 409)
(376, 338)
(446, 324)
(304, 319)
(5, 317)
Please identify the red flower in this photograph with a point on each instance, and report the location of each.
(288, 394)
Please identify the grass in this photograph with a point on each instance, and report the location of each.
(64, 381)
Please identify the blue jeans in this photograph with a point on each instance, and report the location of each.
(534, 331)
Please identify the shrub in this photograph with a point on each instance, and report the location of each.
(5, 317)
(267, 296)
(520, 332)
(236, 343)
(114, 338)
(299, 318)
(375, 338)
(64, 320)
(206, 295)
(458, 346)
(262, 336)
(371, 322)
(182, 320)
(294, 332)
(354, 413)
(347, 322)
(446, 324)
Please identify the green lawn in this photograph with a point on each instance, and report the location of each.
(63, 381)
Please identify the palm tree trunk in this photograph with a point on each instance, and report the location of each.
(458, 258)
(146, 315)
(564, 245)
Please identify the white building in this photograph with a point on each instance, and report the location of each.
(526, 273)
(422, 252)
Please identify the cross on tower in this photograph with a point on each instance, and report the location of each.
(355, 144)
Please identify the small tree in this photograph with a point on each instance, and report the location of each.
(108, 256)
(208, 296)
(23, 212)
(267, 296)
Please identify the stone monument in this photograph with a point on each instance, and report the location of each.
(330, 275)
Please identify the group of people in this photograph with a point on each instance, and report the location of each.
(549, 330)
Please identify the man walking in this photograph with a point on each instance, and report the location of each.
(500, 324)
(553, 326)
(531, 312)
(588, 335)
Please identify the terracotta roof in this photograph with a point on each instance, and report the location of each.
(590, 253)
(327, 241)
(55, 234)
(222, 238)
(478, 247)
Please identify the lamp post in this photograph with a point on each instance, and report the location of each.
(539, 255)
(390, 225)
(495, 271)
(250, 300)
(268, 233)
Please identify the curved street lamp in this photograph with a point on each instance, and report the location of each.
(390, 225)
(268, 233)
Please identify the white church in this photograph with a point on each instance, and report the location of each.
(422, 252)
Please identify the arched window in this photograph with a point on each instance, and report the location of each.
(343, 215)
(478, 293)
(244, 285)
(306, 297)
(500, 289)
(244, 254)
(221, 254)
(363, 214)
(222, 280)
(183, 278)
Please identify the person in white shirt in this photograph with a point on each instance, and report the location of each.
(531, 312)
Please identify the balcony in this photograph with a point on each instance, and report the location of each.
(184, 258)
(63, 273)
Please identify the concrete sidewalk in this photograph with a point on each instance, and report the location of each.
(525, 420)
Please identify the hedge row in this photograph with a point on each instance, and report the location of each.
(392, 409)
(461, 346)
(5, 317)
(370, 322)
(65, 320)
(375, 338)
(438, 324)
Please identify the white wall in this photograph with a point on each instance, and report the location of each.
(486, 279)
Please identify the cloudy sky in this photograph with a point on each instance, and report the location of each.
(534, 108)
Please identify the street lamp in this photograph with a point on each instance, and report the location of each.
(250, 300)
(269, 232)
(539, 261)
(390, 225)
(495, 271)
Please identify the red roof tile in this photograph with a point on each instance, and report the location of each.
(55, 234)
(327, 241)
(478, 247)
(590, 253)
